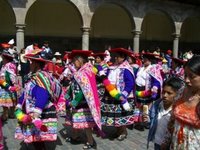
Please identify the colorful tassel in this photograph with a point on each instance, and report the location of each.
(4, 84)
(143, 93)
(39, 125)
(21, 117)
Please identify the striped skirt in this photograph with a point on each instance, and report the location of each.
(7, 98)
(113, 113)
(80, 118)
(29, 133)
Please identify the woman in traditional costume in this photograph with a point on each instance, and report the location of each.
(8, 81)
(113, 105)
(35, 111)
(83, 99)
(186, 111)
(148, 87)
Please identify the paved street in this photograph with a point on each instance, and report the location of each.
(136, 140)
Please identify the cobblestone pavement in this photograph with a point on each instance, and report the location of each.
(136, 140)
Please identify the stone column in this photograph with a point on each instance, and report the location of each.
(85, 37)
(20, 36)
(175, 44)
(136, 40)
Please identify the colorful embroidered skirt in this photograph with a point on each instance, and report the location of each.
(113, 113)
(80, 118)
(29, 133)
(7, 99)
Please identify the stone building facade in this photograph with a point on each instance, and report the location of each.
(99, 24)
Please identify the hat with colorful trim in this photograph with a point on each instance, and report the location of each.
(149, 55)
(5, 45)
(121, 51)
(84, 53)
(36, 56)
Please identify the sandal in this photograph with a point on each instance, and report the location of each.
(90, 146)
(73, 141)
(122, 137)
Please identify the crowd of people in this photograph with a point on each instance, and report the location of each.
(117, 88)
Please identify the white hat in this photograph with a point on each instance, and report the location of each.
(11, 42)
(57, 54)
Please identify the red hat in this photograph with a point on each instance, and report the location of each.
(149, 55)
(136, 54)
(169, 51)
(85, 53)
(36, 55)
(99, 54)
(179, 61)
(5, 45)
(121, 51)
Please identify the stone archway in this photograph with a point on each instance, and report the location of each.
(57, 21)
(111, 25)
(190, 35)
(157, 29)
(7, 22)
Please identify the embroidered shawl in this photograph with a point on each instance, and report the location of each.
(85, 77)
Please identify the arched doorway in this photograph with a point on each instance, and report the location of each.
(7, 22)
(190, 35)
(57, 21)
(157, 29)
(111, 26)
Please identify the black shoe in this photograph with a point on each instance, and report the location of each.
(146, 125)
(139, 127)
(122, 137)
(73, 141)
(130, 127)
(90, 146)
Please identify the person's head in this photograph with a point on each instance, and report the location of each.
(36, 65)
(79, 61)
(35, 45)
(149, 58)
(79, 57)
(37, 60)
(172, 89)
(158, 49)
(120, 55)
(192, 73)
(169, 52)
(119, 58)
(132, 59)
(46, 44)
(99, 57)
(7, 56)
(22, 51)
(58, 55)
